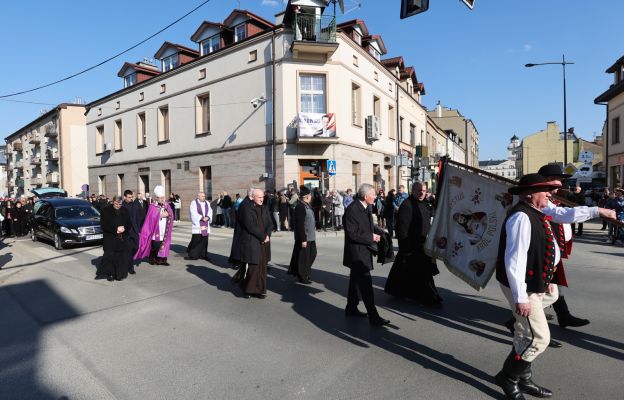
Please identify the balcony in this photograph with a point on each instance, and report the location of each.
(35, 139)
(19, 164)
(19, 182)
(52, 178)
(316, 35)
(11, 183)
(17, 146)
(51, 131)
(35, 161)
(36, 181)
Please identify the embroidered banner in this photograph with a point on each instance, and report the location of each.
(466, 229)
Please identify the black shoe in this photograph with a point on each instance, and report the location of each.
(509, 377)
(378, 321)
(258, 295)
(100, 277)
(305, 281)
(190, 258)
(163, 261)
(131, 271)
(110, 278)
(152, 261)
(526, 384)
(355, 313)
(554, 344)
(571, 320)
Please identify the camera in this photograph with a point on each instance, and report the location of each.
(257, 101)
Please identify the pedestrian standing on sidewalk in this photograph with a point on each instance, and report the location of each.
(116, 225)
(378, 208)
(339, 209)
(389, 212)
(226, 206)
(283, 211)
(177, 207)
(200, 214)
(292, 203)
(328, 206)
(527, 256)
(304, 250)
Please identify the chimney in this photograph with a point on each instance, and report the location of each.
(439, 109)
(148, 63)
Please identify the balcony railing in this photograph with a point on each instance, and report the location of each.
(52, 155)
(35, 161)
(51, 131)
(52, 178)
(35, 139)
(36, 181)
(19, 164)
(315, 29)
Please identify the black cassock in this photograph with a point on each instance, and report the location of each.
(302, 257)
(411, 275)
(116, 258)
(198, 247)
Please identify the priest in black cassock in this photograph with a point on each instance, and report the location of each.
(412, 273)
(304, 251)
(201, 216)
(116, 225)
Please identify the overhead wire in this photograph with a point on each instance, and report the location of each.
(108, 59)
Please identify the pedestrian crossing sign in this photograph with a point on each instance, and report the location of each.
(331, 167)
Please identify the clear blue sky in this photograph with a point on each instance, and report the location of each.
(470, 60)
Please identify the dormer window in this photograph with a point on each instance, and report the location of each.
(373, 52)
(211, 44)
(130, 80)
(169, 63)
(357, 37)
(240, 32)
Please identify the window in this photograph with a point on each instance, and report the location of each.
(118, 136)
(99, 139)
(400, 129)
(373, 52)
(376, 105)
(202, 115)
(117, 105)
(205, 181)
(391, 123)
(390, 86)
(169, 63)
(130, 80)
(413, 136)
(141, 131)
(312, 92)
(163, 124)
(165, 179)
(357, 38)
(163, 88)
(240, 32)
(253, 55)
(120, 184)
(376, 75)
(102, 184)
(355, 61)
(615, 137)
(211, 44)
(141, 96)
(356, 105)
(202, 74)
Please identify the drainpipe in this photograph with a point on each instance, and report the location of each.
(273, 91)
(398, 139)
(61, 174)
(467, 141)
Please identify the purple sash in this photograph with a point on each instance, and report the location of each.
(202, 223)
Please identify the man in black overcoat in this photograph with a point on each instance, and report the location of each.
(412, 273)
(134, 212)
(360, 241)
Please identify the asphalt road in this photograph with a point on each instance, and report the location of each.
(184, 331)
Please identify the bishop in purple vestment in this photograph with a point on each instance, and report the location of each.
(155, 236)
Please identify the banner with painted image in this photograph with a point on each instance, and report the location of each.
(465, 233)
(316, 125)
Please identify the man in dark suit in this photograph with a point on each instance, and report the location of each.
(359, 239)
(134, 212)
(141, 209)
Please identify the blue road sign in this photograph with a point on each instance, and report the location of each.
(331, 167)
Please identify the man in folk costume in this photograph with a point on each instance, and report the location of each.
(304, 250)
(155, 237)
(201, 216)
(562, 218)
(527, 258)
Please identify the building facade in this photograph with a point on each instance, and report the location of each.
(505, 168)
(544, 147)
(261, 104)
(50, 151)
(613, 144)
(3, 173)
(462, 128)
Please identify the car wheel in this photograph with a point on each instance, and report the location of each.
(33, 235)
(57, 242)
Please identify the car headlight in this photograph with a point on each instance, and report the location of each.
(67, 230)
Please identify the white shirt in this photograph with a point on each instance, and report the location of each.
(162, 225)
(518, 228)
(196, 217)
(570, 215)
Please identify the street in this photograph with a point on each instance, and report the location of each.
(185, 332)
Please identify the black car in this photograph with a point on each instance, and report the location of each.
(66, 221)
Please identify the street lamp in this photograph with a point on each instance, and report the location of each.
(563, 63)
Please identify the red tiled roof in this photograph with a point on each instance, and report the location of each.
(393, 62)
(379, 40)
(179, 47)
(353, 22)
(249, 14)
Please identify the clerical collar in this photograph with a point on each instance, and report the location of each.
(364, 204)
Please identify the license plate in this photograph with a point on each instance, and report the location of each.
(94, 237)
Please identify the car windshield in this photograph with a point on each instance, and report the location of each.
(76, 212)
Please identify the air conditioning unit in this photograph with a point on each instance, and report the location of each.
(108, 147)
(373, 132)
(389, 161)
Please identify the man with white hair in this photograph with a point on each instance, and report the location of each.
(155, 237)
(201, 215)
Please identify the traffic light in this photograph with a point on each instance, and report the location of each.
(413, 7)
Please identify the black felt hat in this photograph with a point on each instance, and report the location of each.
(552, 170)
(304, 191)
(533, 183)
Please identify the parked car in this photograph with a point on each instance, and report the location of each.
(66, 221)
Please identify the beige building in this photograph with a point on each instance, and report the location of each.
(259, 104)
(453, 122)
(613, 143)
(50, 151)
(3, 173)
(544, 147)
